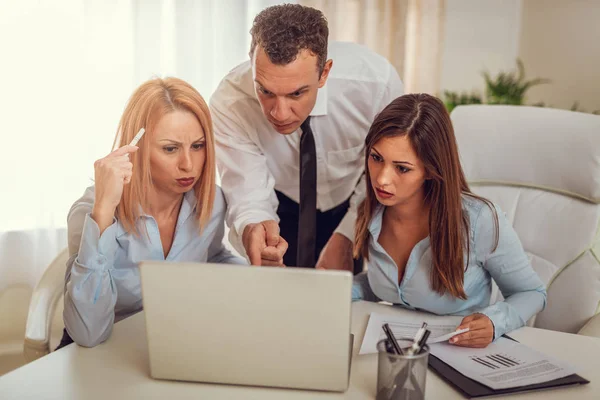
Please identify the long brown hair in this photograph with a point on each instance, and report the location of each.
(424, 119)
(148, 104)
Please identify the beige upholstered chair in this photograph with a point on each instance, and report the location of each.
(42, 308)
(542, 167)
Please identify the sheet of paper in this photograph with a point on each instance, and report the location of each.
(502, 364)
(404, 328)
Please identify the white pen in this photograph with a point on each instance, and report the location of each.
(137, 137)
(420, 332)
(417, 339)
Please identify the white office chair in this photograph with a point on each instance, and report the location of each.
(542, 167)
(42, 308)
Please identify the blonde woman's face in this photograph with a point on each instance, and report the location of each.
(177, 152)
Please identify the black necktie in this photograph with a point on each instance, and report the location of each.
(307, 218)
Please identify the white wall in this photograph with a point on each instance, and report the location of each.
(560, 40)
(479, 35)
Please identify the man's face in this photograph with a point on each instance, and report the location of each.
(287, 93)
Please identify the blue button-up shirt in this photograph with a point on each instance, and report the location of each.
(524, 293)
(102, 283)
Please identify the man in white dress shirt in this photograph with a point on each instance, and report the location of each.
(290, 126)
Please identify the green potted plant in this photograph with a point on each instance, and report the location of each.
(509, 87)
(453, 99)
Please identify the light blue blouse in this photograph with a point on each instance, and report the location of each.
(102, 283)
(524, 293)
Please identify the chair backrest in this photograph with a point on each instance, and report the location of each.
(45, 296)
(542, 167)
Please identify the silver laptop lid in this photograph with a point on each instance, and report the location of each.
(282, 327)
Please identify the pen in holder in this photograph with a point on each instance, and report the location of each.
(401, 373)
(401, 376)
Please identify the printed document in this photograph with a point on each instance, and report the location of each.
(502, 364)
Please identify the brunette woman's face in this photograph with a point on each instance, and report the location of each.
(397, 174)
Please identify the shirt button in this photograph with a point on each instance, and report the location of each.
(101, 260)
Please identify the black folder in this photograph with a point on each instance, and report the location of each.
(472, 389)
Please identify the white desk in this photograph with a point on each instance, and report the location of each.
(118, 369)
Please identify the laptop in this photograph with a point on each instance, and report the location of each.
(259, 326)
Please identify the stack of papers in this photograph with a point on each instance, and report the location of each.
(502, 364)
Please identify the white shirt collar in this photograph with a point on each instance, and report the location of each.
(320, 107)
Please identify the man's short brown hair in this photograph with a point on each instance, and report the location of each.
(285, 30)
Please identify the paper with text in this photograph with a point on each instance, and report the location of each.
(502, 364)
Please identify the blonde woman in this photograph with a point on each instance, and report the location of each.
(154, 201)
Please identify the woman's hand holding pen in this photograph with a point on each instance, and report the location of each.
(111, 174)
(480, 334)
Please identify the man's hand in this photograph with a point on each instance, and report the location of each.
(337, 254)
(263, 244)
(481, 331)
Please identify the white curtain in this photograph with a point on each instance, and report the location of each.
(69, 66)
(377, 24)
(424, 46)
(409, 33)
(68, 69)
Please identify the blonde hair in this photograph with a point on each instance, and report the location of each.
(148, 104)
